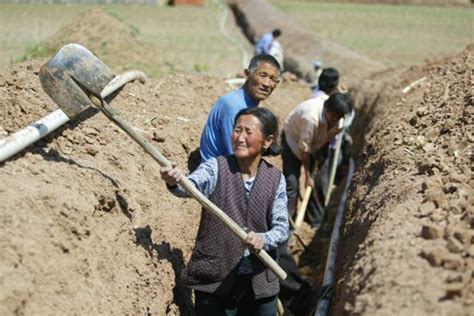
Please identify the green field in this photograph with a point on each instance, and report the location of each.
(393, 34)
(188, 38)
(185, 38)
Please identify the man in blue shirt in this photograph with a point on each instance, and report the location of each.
(263, 75)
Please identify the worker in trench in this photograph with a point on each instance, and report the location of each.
(225, 274)
(307, 131)
(263, 75)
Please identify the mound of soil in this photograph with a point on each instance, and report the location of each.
(87, 226)
(408, 246)
(117, 44)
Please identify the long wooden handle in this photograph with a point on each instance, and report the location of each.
(115, 117)
(332, 173)
(302, 207)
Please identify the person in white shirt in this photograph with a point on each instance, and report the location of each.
(309, 127)
(318, 69)
(277, 51)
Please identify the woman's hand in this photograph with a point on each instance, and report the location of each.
(171, 175)
(254, 242)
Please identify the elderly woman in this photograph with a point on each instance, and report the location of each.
(225, 275)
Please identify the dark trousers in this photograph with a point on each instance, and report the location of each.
(292, 172)
(208, 304)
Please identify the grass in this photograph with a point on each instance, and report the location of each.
(188, 38)
(393, 34)
(185, 39)
(23, 26)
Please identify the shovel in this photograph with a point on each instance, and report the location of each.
(74, 79)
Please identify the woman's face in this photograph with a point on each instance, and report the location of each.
(247, 138)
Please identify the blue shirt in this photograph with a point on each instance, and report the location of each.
(216, 136)
(263, 44)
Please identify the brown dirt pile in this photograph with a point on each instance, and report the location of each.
(87, 226)
(408, 246)
(117, 44)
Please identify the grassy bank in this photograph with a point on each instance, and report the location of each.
(394, 34)
(185, 38)
(188, 38)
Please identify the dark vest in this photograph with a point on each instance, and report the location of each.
(218, 251)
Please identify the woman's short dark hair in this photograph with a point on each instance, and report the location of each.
(339, 103)
(328, 80)
(269, 123)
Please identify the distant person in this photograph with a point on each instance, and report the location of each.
(225, 275)
(309, 127)
(318, 69)
(263, 75)
(328, 82)
(263, 45)
(276, 50)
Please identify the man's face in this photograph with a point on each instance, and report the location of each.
(262, 81)
(332, 118)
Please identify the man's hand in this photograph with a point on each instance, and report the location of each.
(254, 242)
(309, 182)
(171, 175)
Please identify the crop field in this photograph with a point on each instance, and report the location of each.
(184, 39)
(393, 34)
(189, 39)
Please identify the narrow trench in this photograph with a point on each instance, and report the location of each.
(312, 258)
(312, 261)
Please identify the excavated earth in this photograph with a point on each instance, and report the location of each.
(88, 227)
(408, 240)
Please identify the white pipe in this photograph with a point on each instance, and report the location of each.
(329, 271)
(18, 141)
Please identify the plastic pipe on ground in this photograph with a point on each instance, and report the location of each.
(328, 282)
(18, 141)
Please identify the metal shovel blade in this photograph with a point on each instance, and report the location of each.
(70, 75)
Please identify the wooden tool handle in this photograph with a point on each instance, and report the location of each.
(302, 207)
(332, 172)
(115, 117)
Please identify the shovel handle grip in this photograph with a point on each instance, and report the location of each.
(302, 207)
(115, 117)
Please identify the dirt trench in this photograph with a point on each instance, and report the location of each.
(87, 226)
(408, 238)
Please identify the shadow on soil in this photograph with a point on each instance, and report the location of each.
(181, 294)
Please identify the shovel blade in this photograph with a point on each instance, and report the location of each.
(71, 75)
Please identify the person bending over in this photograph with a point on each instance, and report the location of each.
(310, 126)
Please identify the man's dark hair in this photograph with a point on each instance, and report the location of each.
(257, 60)
(339, 103)
(276, 33)
(328, 80)
(269, 123)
